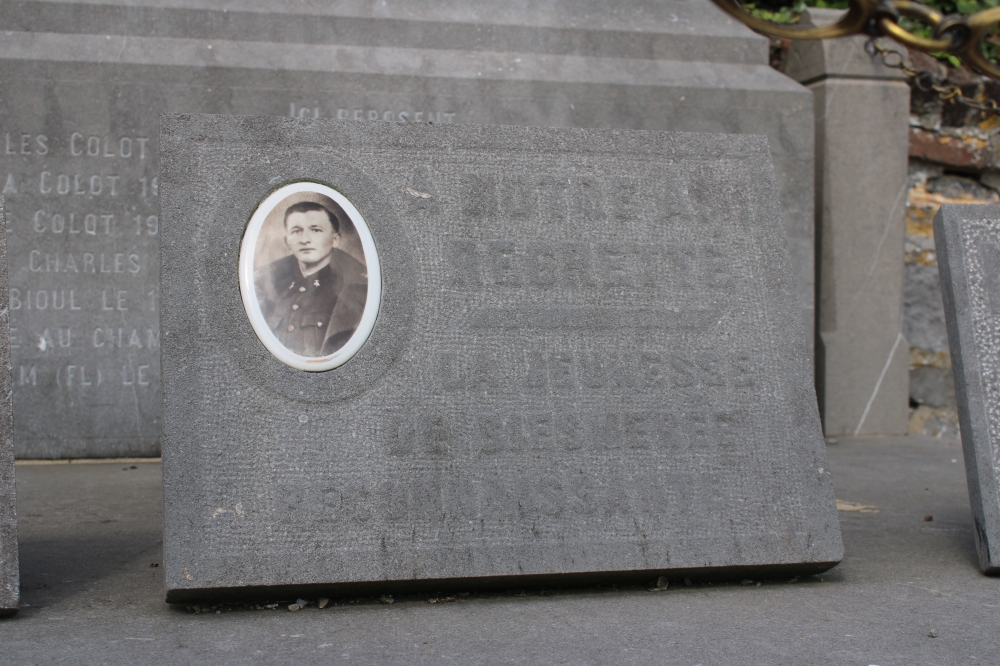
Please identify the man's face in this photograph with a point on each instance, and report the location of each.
(310, 236)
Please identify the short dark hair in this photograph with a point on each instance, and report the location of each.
(309, 206)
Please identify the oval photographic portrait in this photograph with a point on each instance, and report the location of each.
(310, 277)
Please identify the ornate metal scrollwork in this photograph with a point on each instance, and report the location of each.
(960, 36)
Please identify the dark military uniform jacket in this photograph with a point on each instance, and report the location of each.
(314, 315)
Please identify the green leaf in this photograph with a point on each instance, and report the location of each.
(968, 7)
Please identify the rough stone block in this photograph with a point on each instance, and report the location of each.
(588, 359)
(932, 386)
(9, 580)
(923, 311)
(84, 84)
(968, 245)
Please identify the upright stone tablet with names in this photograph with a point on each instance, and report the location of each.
(968, 245)
(578, 351)
(9, 579)
(83, 84)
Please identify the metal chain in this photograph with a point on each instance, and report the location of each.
(927, 81)
(960, 36)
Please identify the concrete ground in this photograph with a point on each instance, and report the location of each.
(89, 533)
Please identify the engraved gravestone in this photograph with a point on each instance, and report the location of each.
(83, 85)
(583, 354)
(968, 245)
(9, 579)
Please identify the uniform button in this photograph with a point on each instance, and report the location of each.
(295, 306)
(290, 328)
(302, 288)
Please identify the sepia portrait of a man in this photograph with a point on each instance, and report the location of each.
(310, 274)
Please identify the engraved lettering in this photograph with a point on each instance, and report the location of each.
(29, 376)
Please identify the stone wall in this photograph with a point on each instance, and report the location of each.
(954, 158)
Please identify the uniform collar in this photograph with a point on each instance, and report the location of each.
(323, 274)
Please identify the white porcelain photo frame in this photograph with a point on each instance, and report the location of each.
(264, 221)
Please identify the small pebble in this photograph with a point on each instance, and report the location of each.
(928, 518)
(386, 599)
(302, 603)
(662, 583)
(932, 633)
(322, 603)
(746, 581)
(294, 607)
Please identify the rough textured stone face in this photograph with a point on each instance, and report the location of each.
(968, 245)
(9, 579)
(588, 358)
(84, 85)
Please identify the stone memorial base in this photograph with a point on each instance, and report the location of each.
(587, 360)
(967, 239)
(86, 83)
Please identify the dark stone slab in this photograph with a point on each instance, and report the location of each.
(968, 246)
(83, 85)
(9, 580)
(588, 358)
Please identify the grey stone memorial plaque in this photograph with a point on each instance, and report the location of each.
(968, 245)
(587, 358)
(83, 85)
(9, 579)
